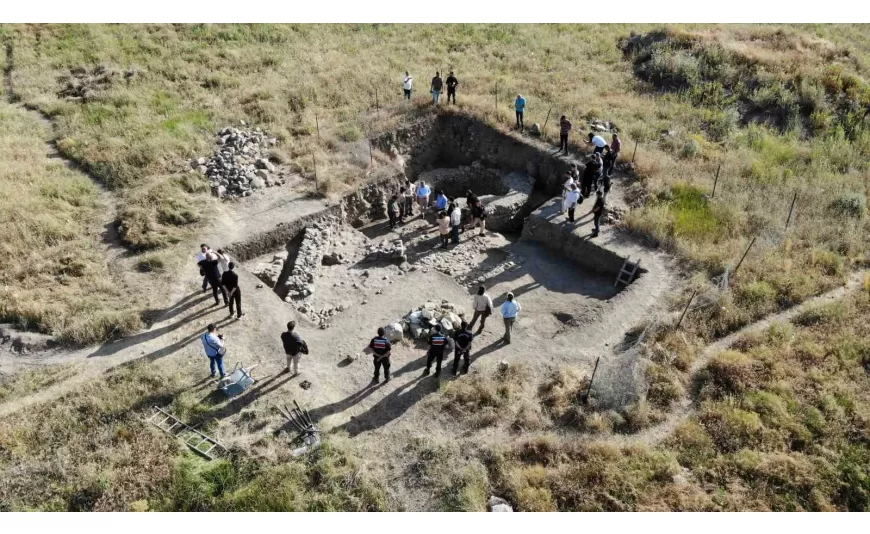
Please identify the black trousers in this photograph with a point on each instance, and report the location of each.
(571, 213)
(236, 302)
(596, 220)
(519, 119)
(204, 283)
(393, 218)
(437, 357)
(407, 94)
(451, 92)
(609, 164)
(465, 354)
(215, 286)
(586, 188)
(563, 142)
(382, 362)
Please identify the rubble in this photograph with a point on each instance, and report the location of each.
(239, 165)
(418, 323)
(387, 251)
(270, 272)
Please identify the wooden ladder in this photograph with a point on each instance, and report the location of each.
(627, 272)
(196, 440)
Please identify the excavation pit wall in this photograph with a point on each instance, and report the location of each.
(604, 255)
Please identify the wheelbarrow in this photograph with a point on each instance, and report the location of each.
(237, 381)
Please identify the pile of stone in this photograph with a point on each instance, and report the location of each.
(270, 272)
(240, 164)
(600, 126)
(418, 323)
(392, 250)
(315, 241)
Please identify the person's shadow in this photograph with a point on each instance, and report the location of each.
(392, 406)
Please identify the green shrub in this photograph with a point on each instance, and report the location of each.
(691, 149)
(850, 205)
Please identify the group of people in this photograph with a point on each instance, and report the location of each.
(449, 213)
(440, 344)
(217, 270)
(436, 87)
(596, 177)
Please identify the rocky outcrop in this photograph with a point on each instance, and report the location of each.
(418, 323)
(240, 164)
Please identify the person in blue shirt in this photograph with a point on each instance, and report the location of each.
(382, 349)
(437, 346)
(509, 311)
(520, 106)
(440, 200)
(423, 192)
(213, 343)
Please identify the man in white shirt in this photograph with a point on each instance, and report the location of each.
(598, 141)
(509, 311)
(423, 193)
(203, 251)
(407, 85)
(482, 308)
(409, 199)
(573, 198)
(566, 188)
(455, 222)
(224, 261)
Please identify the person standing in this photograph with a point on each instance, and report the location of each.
(455, 222)
(212, 273)
(612, 155)
(564, 130)
(294, 347)
(440, 200)
(423, 193)
(393, 210)
(437, 345)
(230, 283)
(437, 85)
(213, 343)
(452, 82)
(478, 216)
(598, 142)
(566, 188)
(203, 252)
(462, 339)
(597, 212)
(407, 85)
(224, 261)
(382, 350)
(509, 311)
(590, 176)
(444, 228)
(482, 308)
(520, 106)
(409, 199)
(574, 197)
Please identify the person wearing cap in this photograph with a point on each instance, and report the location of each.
(572, 200)
(437, 346)
(509, 311)
(520, 106)
(598, 142)
(213, 343)
(382, 350)
(597, 212)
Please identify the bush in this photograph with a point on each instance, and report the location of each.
(852, 205)
(730, 373)
(691, 149)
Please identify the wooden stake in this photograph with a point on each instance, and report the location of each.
(371, 157)
(591, 380)
(635, 152)
(315, 170)
(791, 209)
(739, 263)
(694, 292)
(377, 104)
(716, 181)
(317, 123)
(496, 100)
(546, 121)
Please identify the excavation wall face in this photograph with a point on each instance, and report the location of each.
(454, 139)
(603, 257)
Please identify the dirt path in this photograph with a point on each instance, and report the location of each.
(687, 407)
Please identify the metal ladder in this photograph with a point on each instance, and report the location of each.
(196, 440)
(628, 270)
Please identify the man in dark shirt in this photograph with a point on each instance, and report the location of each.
(564, 130)
(597, 212)
(437, 85)
(294, 347)
(452, 82)
(230, 281)
(437, 345)
(463, 338)
(381, 347)
(590, 177)
(209, 266)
